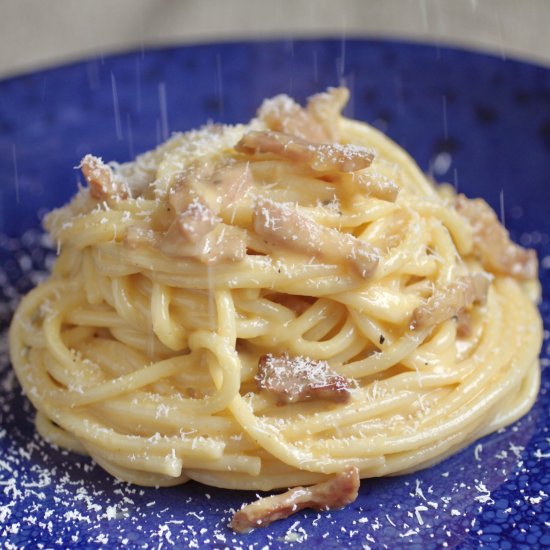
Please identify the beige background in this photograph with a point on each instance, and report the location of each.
(39, 33)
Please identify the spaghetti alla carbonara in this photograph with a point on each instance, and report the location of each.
(276, 304)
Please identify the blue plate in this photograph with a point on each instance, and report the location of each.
(478, 121)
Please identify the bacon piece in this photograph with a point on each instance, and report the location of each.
(180, 196)
(326, 108)
(220, 187)
(451, 300)
(492, 242)
(231, 184)
(197, 231)
(294, 379)
(282, 225)
(463, 324)
(282, 114)
(318, 122)
(324, 157)
(103, 184)
(223, 243)
(336, 492)
(379, 186)
(183, 192)
(196, 221)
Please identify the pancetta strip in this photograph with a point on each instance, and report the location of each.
(378, 186)
(196, 221)
(232, 184)
(317, 123)
(463, 324)
(294, 379)
(450, 300)
(182, 193)
(224, 243)
(103, 183)
(326, 108)
(492, 243)
(196, 230)
(323, 157)
(281, 225)
(222, 187)
(336, 492)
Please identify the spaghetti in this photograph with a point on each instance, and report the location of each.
(264, 305)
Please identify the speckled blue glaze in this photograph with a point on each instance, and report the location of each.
(478, 121)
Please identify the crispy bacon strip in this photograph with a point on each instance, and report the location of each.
(336, 492)
(282, 225)
(492, 243)
(317, 123)
(294, 379)
(451, 300)
(103, 184)
(324, 157)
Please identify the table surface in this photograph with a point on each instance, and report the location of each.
(35, 34)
